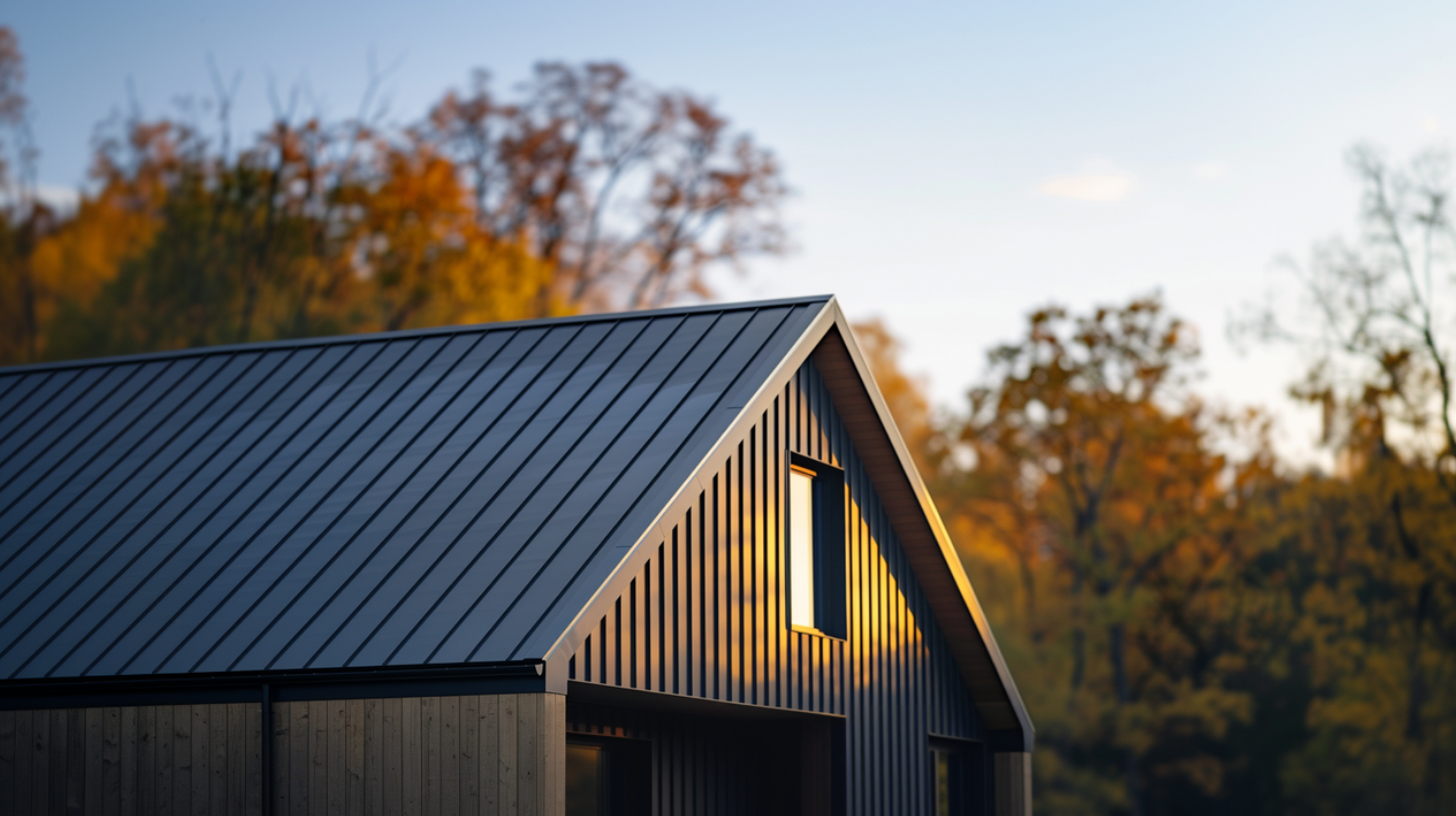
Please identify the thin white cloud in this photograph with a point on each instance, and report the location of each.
(1093, 187)
(1211, 171)
(1430, 125)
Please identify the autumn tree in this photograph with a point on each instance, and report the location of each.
(587, 189)
(24, 220)
(1380, 535)
(631, 193)
(1097, 478)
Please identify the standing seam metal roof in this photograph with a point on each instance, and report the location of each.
(435, 497)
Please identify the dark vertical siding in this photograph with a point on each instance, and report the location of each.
(705, 616)
(177, 759)
(706, 766)
(468, 755)
(432, 756)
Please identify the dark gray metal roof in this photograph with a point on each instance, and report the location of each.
(434, 497)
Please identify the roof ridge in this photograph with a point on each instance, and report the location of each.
(433, 331)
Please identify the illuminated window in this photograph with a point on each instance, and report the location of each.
(801, 547)
(815, 546)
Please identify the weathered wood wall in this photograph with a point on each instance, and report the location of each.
(472, 755)
(706, 615)
(177, 759)
(433, 756)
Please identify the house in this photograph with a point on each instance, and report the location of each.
(663, 562)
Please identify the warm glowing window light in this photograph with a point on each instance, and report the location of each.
(801, 547)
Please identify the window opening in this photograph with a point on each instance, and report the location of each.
(814, 546)
(801, 547)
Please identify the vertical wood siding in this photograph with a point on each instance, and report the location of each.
(706, 615)
(431, 756)
(165, 760)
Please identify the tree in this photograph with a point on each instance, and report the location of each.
(590, 190)
(1100, 478)
(1381, 602)
(632, 193)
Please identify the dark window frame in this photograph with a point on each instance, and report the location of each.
(830, 523)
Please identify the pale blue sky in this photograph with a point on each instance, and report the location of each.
(933, 146)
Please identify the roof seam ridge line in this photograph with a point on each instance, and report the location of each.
(373, 632)
(727, 391)
(371, 337)
(363, 366)
(54, 417)
(349, 471)
(512, 560)
(733, 429)
(23, 398)
(155, 453)
(379, 509)
(215, 510)
(551, 558)
(48, 398)
(61, 514)
(483, 366)
(180, 514)
(488, 504)
(360, 495)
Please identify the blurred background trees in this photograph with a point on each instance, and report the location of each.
(585, 189)
(1197, 626)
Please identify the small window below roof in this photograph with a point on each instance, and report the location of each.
(814, 546)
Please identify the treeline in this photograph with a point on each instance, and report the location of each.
(584, 188)
(1196, 626)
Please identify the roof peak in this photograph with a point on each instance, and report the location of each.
(325, 340)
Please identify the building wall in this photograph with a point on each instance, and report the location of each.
(170, 759)
(716, 766)
(472, 754)
(705, 616)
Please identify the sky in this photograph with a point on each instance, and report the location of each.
(954, 165)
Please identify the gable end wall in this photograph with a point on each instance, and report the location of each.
(705, 615)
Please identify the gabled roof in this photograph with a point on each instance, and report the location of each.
(401, 499)
(439, 497)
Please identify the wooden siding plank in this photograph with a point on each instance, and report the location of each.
(110, 750)
(430, 756)
(201, 741)
(282, 760)
(299, 737)
(335, 774)
(50, 729)
(410, 759)
(391, 783)
(372, 728)
(489, 741)
(91, 763)
(449, 714)
(128, 747)
(508, 753)
(528, 759)
(7, 762)
(219, 750)
(253, 759)
(25, 754)
(163, 735)
(470, 755)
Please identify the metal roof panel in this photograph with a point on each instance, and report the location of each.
(437, 496)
